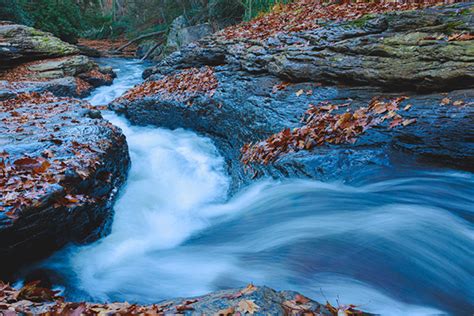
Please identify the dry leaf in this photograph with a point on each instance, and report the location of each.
(247, 306)
(445, 101)
(408, 122)
(225, 312)
(249, 289)
(300, 299)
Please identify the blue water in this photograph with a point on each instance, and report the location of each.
(399, 246)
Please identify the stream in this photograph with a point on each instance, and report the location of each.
(394, 244)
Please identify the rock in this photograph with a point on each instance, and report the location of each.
(144, 47)
(245, 109)
(173, 43)
(73, 76)
(19, 43)
(261, 301)
(252, 300)
(59, 68)
(89, 51)
(61, 170)
(407, 50)
(181, 34)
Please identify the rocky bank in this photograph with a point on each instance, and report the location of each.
(61, 164)
(266, 86)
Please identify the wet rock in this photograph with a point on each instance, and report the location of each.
(409, 50)
(60, 170)
(246, 108)
(252, 300)
(19, 43)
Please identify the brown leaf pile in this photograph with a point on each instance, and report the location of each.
(82, 86)
(105, 45)
(323, 126)
(32, 299)
(302, 15)
(22, 73)
(25, 179)
(187, 83)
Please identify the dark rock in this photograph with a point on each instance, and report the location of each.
(244, 110)
(69, 199)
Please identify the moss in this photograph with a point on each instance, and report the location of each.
(53, 45)
(360, 22)
(469, 11)
(451, 27)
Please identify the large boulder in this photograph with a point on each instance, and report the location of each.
(180, 35)
(431, 49)
(20, 43)
(74, 75)
(61, 166)
(59, 68)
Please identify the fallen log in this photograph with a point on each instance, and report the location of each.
(139, 38)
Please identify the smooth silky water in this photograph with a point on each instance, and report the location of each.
(399, 246)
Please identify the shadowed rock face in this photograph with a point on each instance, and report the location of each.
(244, 109)
(412, 50)
(19, 43)
(61, 168)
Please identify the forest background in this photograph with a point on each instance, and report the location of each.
(110, 19)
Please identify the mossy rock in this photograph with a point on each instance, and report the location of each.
(22, 43)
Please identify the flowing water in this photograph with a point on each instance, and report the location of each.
(399, 246)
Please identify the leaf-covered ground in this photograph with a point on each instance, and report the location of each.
(26, 178)
(109, 45)
(185, 84)
(302, 15)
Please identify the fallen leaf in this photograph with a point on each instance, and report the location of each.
(249, 289)
(299, 92)
(408, 121)
(460, 37)
(225, 312)
(300, 299)
(247, 306)
(445, 101)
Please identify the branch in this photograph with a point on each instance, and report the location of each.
(139, 38)
(151, 50)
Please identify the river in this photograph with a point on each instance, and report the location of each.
(398, 244)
